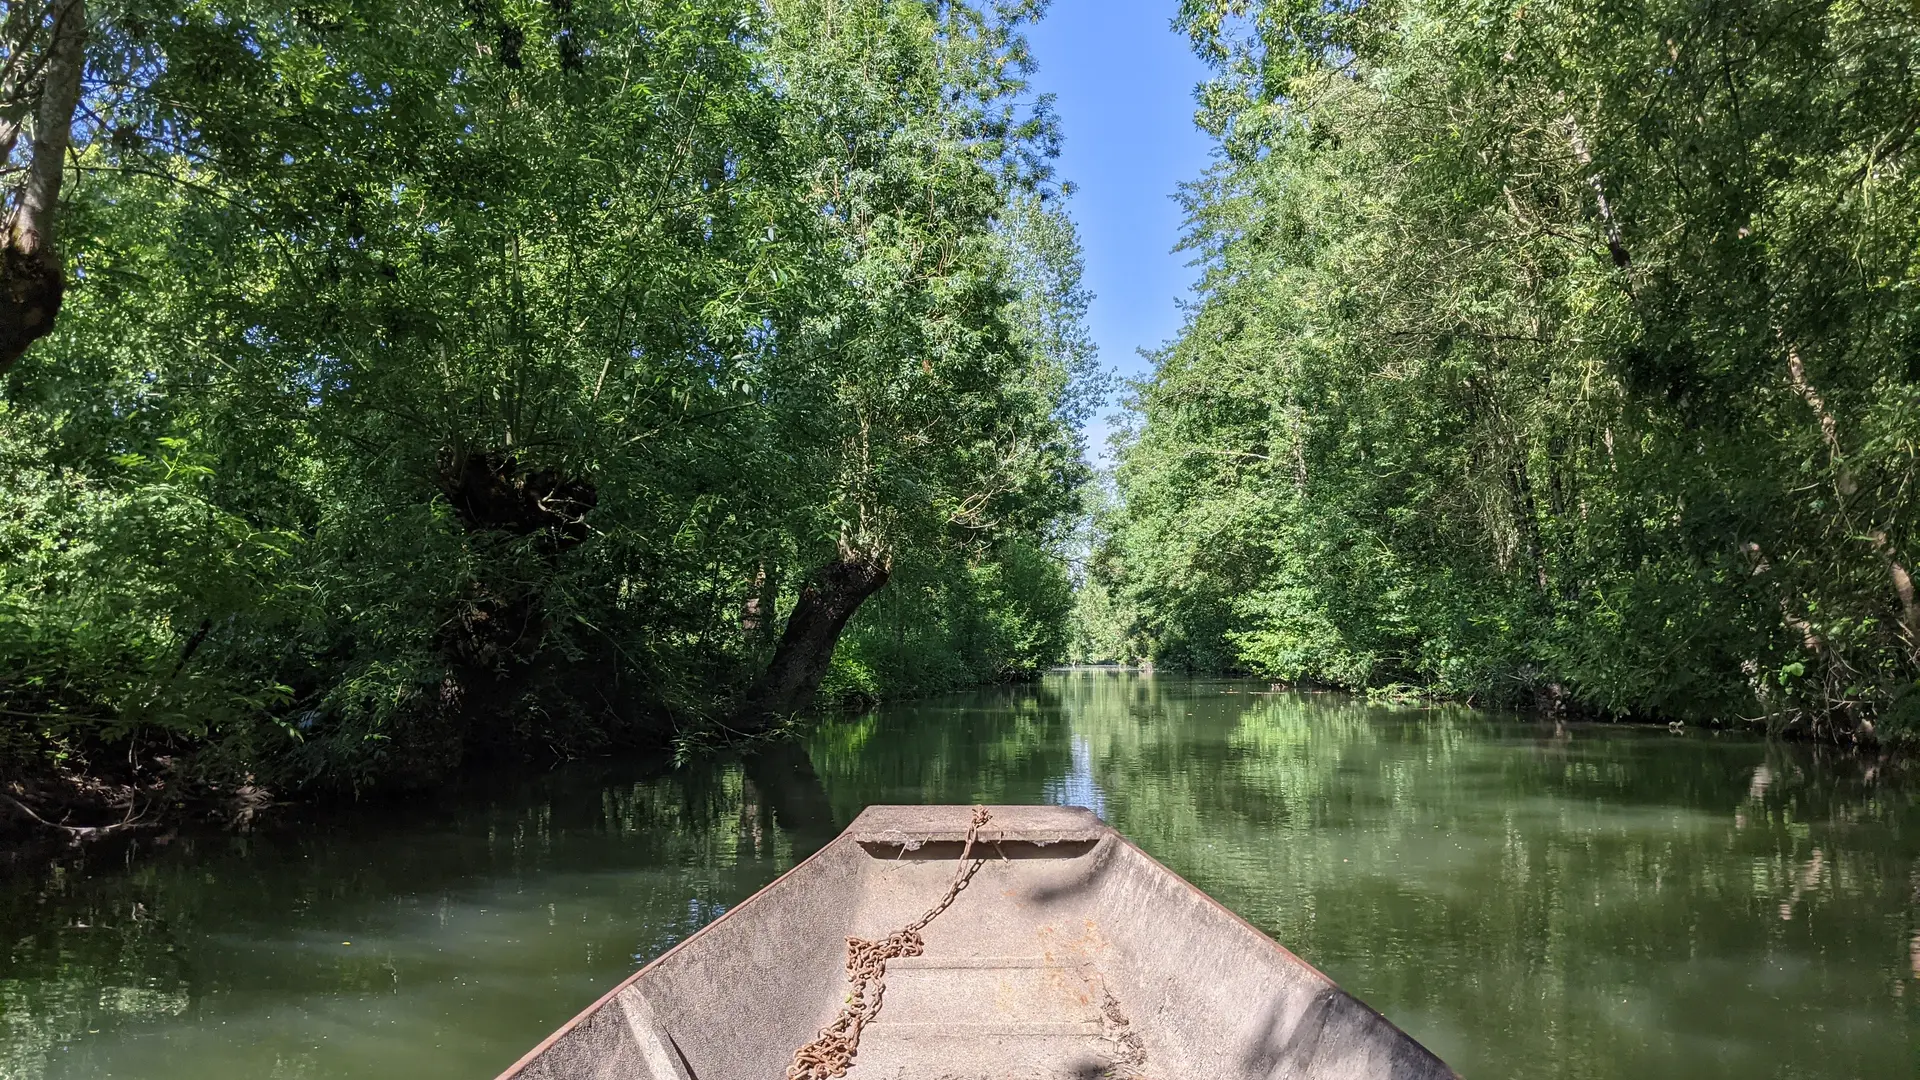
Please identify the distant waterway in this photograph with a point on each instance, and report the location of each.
(1528, 899)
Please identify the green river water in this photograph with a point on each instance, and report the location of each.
(1528, 900)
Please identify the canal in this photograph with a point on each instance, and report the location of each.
(1528, 899)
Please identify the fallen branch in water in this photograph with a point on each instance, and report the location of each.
(79, 832)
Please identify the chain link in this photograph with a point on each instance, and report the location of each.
(831, 1053)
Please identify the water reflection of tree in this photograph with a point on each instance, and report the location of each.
(108, 938)
(1524, 894)
(1525, 897)
(994, 746)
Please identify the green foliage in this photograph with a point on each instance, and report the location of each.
(1001, 618)
(1545, 353)
(442, 379)
(103, 577)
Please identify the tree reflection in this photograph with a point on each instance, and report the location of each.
(1529, 898)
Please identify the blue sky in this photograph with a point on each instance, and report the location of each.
(1124, 83)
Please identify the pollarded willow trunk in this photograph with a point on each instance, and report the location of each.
(33, 282)
(493, 493)
(828, 600)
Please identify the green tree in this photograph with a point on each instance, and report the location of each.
(936, 415)
(439, 380)
(1546, 354)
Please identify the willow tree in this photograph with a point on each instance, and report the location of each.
(910, 383)
(41, 65)
(438, 379)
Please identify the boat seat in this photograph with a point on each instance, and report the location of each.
(1003, 1018)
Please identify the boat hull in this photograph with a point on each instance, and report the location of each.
(1070, 955)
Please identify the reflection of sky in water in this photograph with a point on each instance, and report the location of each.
(1077, 786)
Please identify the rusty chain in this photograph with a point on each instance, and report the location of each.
(831, 1053)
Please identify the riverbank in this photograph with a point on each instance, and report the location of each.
(47, 804)
(64, 805)
(54, 807)
(1554, 701)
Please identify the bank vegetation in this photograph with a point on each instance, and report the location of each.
(1546, 353)
(387, 385)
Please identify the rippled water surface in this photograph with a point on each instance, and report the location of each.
(1530, 901)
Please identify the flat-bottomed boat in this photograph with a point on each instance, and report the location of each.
(1010, 943)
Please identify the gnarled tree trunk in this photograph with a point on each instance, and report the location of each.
(494, 492)
(32, 279)
(828, 600)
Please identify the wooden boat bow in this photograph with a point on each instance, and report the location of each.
(1070, 955)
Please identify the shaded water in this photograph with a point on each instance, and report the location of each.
(1530, 902)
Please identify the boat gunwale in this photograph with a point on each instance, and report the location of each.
(1284, 951)
(607, 998)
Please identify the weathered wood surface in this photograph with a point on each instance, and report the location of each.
(1072, 954)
